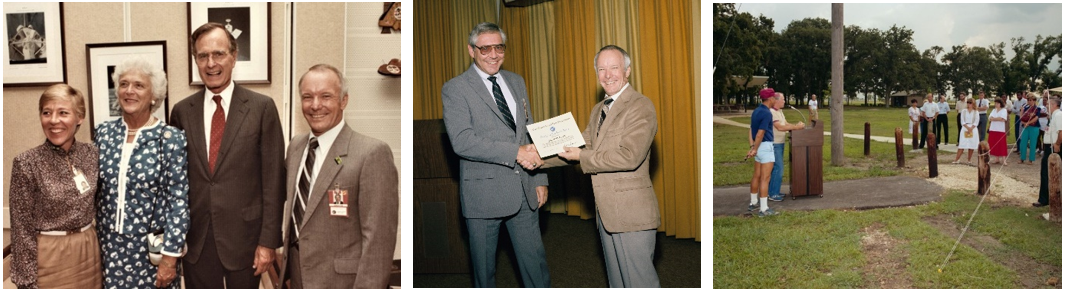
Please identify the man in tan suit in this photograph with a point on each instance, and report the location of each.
(343, 195)
(618, 155)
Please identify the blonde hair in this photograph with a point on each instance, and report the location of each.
(63, 92)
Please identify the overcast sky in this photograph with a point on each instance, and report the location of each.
(945, 25)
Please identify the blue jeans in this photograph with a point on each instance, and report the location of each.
(778, 170)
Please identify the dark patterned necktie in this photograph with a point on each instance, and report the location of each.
(501, 102)
(218, 127)
(602, 115)
(300, 205)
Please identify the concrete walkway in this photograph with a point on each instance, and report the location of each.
(953, 148)
(859, 194)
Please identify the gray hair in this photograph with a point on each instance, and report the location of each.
(328, 68)
(485, 27)
(628, 61)
(778, 96)
(155, 75)
(1056, 100)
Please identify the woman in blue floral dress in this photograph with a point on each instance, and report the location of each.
(143, 183)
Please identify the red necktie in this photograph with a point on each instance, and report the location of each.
(218, 126)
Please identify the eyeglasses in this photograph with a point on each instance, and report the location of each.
(500, 48)
(216, 55)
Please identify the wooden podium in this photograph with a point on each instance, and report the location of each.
(440, 244)
(805, 160)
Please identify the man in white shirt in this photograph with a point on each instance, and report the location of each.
(813, 107)
(928, 117)
(1052, 143)
(981, 107)
(1017, 107)
(942, 128)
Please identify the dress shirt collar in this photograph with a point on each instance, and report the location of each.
(616, 96)
(484, 75)
(227, 96)
(326, 139)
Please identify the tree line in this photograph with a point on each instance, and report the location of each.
(876, 62)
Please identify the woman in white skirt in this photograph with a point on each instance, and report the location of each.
(968, 139)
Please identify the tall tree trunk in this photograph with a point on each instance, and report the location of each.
(837, 84)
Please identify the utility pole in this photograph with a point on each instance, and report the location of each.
(837, 85)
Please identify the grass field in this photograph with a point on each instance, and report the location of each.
(1006, 247)
(730, 146)
(882, 121)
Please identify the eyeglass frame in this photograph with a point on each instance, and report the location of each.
(499, 48)
(216, 55)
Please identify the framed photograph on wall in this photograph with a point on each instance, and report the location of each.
(101, 60)
(33, 44)
(249, 23)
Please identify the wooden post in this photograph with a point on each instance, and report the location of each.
(900, 155)
(933, 161)
(983, 170)
(1054, 165)
(836, 107)
(866, 139)
(916, 135)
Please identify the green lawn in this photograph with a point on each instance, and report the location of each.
(730, 146)
(882, 121)
(822, 249)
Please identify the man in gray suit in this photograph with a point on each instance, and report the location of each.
(236, 170)
(343, 204)
(485, 112)
(618, 155)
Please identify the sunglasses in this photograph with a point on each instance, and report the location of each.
(500, 48)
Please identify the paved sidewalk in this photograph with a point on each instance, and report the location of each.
(953, 148)
(857, 194)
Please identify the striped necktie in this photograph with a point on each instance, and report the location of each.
(300, 205)
(602, 115)
(501, 102)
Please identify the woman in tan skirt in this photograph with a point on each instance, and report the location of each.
(54, 242)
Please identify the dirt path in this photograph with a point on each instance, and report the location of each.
(884, 259)
(1032, 273)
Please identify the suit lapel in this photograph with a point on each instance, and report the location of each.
(238, 108)
(328, 173)
(520, 116)
(292, 163)
(483, 93)
(619, 106)
(196, 126)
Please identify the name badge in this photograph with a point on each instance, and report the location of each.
(80, 182)
(338, 201)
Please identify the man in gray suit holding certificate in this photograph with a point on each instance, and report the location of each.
(485, 112)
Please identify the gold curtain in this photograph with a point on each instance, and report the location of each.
(665, 68)
(553, 45)
(440, 48)
(435, 50)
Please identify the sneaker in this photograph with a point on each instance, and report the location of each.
(1038, 204)
(768, 212)
(779, 197)
(752, 208)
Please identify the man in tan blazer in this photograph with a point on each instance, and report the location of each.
(343, 195)
(235, 168)
(618, 155)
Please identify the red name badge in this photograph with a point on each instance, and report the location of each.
(338, 202)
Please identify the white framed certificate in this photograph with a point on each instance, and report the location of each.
(551, 135)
